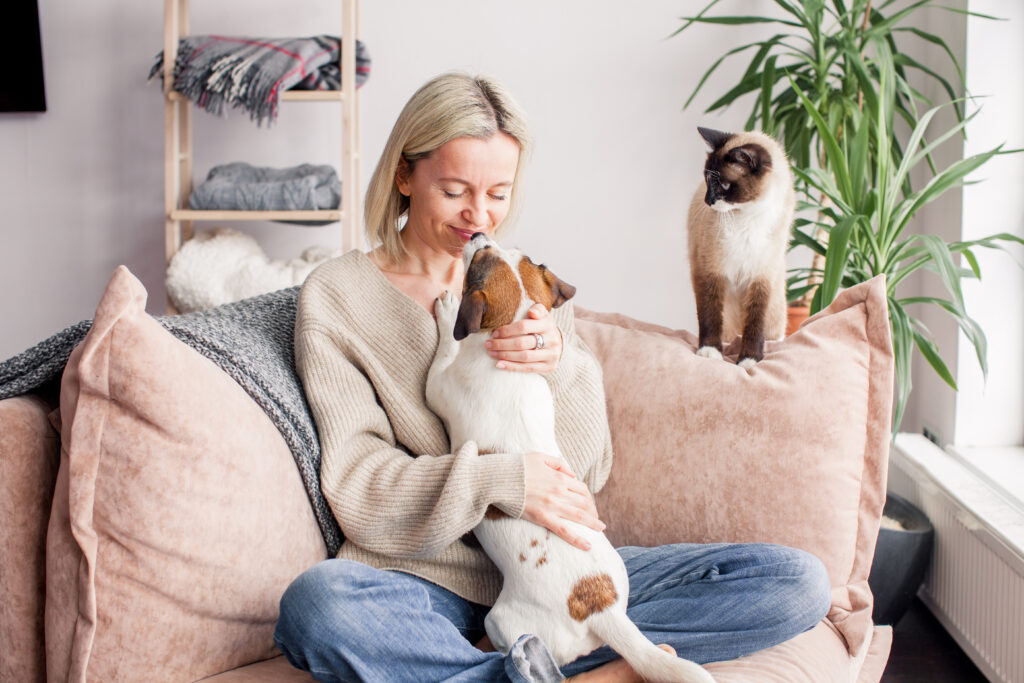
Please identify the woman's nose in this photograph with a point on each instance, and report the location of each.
(475, 212)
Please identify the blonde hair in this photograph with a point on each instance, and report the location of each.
(452, 105)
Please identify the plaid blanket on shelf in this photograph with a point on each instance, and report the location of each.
(251, 73)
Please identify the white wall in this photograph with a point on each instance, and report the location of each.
(615, 163)
(990, 413)
(983, 412)
(616, 159)
(933, 403)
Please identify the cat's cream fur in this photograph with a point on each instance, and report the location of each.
(739, 226)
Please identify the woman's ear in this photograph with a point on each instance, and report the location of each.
(402, 175)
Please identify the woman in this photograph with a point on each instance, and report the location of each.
(407, 595)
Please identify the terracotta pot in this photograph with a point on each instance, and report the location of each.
(795, 315)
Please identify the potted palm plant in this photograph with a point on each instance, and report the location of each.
(832, 86)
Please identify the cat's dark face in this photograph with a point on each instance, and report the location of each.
(735, 173)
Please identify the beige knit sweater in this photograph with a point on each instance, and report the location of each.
(402, 497)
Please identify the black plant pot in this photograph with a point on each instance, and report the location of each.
(901, 559)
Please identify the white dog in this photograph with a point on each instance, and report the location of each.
(575, 601)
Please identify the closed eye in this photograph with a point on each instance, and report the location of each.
(493, 195)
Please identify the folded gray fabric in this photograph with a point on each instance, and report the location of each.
(241, 186)
(253, 342)
(251, 73)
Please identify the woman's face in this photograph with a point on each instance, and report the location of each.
(463, 187)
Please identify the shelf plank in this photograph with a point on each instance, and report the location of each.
(288, 96)
(194, 215)
(313, 95)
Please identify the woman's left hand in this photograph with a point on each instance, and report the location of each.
(514, 346)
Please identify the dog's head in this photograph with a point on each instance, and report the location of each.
(501, 285)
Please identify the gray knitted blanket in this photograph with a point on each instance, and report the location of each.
(251, 73)
(252, 341)
(244, 187)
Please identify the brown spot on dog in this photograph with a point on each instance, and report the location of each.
(590, 595)
(490, 295)
(522, 558)
(533, 543)
(494, 513)
(542, 560)
(543, 286)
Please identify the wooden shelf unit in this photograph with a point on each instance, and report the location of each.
(178, 154)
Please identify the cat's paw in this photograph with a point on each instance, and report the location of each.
(709, 352)
(747, 363)
(446, 309)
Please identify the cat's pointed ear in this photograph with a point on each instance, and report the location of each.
(755, 157)
(714, 138)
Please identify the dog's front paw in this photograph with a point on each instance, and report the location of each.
(709, 352)
(446, 309)
(747, 363)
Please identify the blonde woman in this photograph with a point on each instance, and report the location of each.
(406, 597)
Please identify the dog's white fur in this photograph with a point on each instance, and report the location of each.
(513, 412)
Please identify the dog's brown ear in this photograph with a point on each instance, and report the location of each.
(471, 314)
(561, 291)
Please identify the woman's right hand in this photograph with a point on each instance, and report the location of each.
(554, 495)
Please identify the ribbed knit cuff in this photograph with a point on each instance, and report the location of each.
(502, 482)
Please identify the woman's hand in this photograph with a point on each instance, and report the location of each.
(554, 495)
(515, 345)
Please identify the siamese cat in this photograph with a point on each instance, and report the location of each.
(739, 226)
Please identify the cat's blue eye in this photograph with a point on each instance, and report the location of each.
(726, 186)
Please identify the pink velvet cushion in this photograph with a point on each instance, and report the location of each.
(179, 516)
(28, 468)
(792, 452)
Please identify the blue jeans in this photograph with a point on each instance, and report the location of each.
(344, 621)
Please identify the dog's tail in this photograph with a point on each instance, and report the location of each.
(647, 659)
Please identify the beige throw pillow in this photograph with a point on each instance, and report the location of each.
(793, 452)
(179, 516)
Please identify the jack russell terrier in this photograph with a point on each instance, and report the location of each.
(576, 600)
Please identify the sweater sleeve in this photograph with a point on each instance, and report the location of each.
(577, 386)
(385, 499)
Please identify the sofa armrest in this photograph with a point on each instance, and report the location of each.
(29, 456)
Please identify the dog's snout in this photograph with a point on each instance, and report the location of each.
(478, 235)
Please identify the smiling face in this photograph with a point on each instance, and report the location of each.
(461, 188)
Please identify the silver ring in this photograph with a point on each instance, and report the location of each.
(540, 341)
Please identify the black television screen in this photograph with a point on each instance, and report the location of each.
(21, 53)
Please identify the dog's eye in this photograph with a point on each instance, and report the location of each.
(726, 186)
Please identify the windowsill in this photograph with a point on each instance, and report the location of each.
(990, 511)
(1002, 468)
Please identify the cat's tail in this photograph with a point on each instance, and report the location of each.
(647, 659)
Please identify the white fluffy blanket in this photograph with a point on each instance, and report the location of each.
(223, 265)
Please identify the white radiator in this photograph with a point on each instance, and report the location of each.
(975, 584)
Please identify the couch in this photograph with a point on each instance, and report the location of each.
(153, 514)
